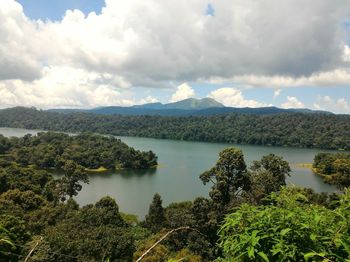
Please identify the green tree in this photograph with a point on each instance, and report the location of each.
(342, 175)
(335, 168)
(4, 144)
(155, 218)
(289, 229)
(74, 175)
(269, 175)
(229, 177)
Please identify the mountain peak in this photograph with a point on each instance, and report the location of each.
(193, 103)
(186, 104)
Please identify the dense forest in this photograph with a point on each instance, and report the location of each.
(325, 131)
(53, 150)
(250, 214)
(334, 168)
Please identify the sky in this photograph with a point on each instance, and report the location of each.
(243, 53)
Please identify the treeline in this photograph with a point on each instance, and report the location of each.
(290, 129)
(32, 214)
(249, 215)
(334, 168)
(53, 150)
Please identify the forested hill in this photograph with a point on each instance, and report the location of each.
(187, 107)
(288, 129)
(165, 111)
(53, 150)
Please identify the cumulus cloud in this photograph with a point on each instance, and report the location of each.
(152, 43)
(19, 47)
(230, 96)
(65, 87)
(244, 37)
(183, 91)
(346, 55)
(327, 103)
(147, 100)
(292, 102)
(276, 93)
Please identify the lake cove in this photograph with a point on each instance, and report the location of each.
(177, 176)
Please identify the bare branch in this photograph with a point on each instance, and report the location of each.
(164, 237)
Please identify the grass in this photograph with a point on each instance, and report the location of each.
(101, 169)
(305, 165)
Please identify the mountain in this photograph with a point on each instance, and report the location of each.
(150, 106)
(187, 104)
(187, 107)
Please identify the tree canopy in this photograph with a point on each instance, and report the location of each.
(249, 215)
(335, 168)
(91, 151)
(290, 228)
(308, 130)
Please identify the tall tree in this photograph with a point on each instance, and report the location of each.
(155, 218)
(229, 176)
(74, 175)
(269, 174)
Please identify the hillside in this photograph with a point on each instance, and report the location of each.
(187, 107)
(326, 131)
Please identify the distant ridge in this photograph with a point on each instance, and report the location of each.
(187, 107)
(186, 104)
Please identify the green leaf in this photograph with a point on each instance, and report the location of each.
(346, 246)
(254, 233)
(250, 252)
(263, 256)
(309, 255)
(313, 237)
(6, 241)
(285, 231)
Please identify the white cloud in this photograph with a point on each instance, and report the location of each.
(276, 93)
(337, 77)
(65, 87)
(292, 102)
(183, 91)
(327, 103)
(147, 100)
(244, 37)
(346, 55)
(230, 96)
(152, 43)
(20, 45)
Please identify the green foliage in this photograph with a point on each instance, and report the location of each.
(291, 225)
(70, 185)
(155, 218)
(53, 150)
(229, 176)
(185, 255)
(268, 175)
(12, 176)
(4, 144)
(289, 229)
(7, 246)
(25, 201)
(100, 242)
(158, 254)
(334, 167)
(308, 130)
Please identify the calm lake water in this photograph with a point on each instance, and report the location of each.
(177, 177)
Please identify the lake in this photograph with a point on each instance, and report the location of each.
(177, 177)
